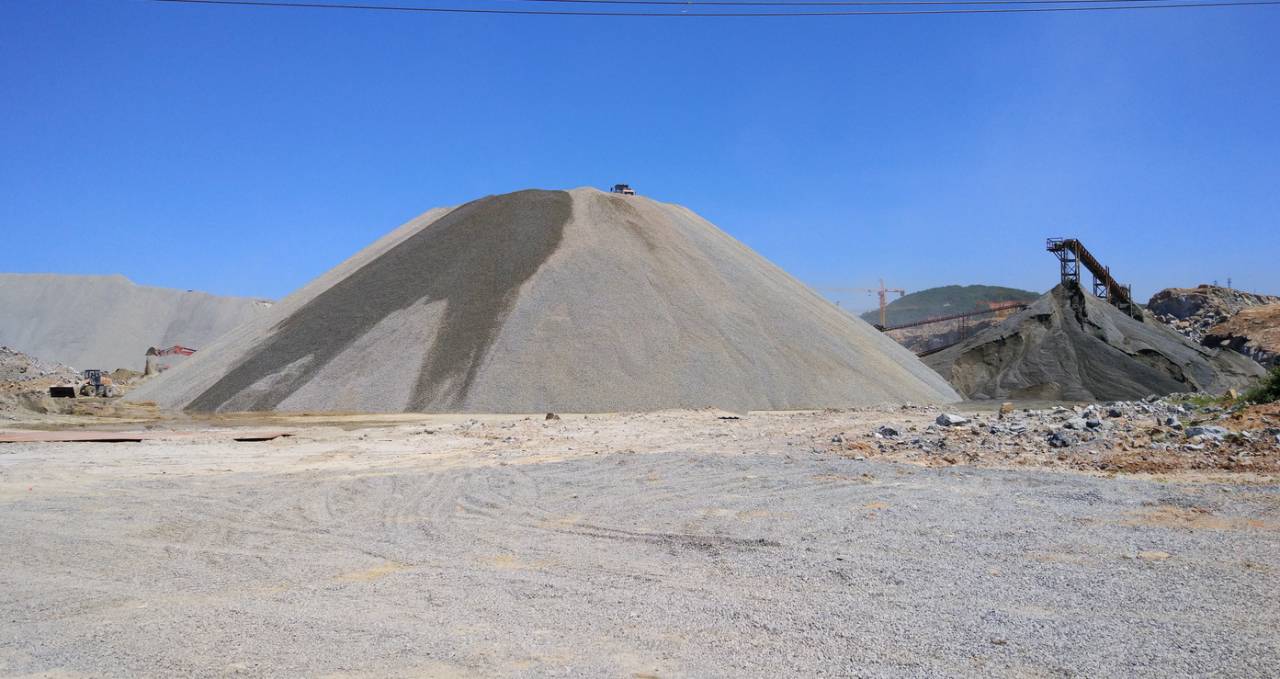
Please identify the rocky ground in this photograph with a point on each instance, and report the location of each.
(666, 544)
(1155, 435)
(1194, 311)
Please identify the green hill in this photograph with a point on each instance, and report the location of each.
(947, 300)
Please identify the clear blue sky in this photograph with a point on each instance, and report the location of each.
(245, 151)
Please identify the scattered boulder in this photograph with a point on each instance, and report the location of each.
(1206, 431)
(1059, 439)
(1242, 438)
(951, 420)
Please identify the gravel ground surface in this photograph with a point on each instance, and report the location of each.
(658, 545)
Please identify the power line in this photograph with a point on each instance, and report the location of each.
(1154, 4)
(829, 3)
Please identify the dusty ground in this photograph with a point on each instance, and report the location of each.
(666, 544)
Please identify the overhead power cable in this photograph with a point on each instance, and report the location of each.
(723, 15)
(712, 4)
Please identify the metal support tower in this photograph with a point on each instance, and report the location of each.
(1071, 253)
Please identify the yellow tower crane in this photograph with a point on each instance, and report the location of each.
(882, 292)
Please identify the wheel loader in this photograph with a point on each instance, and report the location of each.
(97, 383)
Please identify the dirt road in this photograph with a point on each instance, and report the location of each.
(662, 545)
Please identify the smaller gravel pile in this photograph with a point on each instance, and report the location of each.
(108, 322)
(1150, 435)
(1193, 311)
(18, 369)
(1071, 346)
(25, 380)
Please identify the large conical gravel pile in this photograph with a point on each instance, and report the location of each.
(1071, 345)
(576, 301)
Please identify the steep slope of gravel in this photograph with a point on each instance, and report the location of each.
(108, 321)
(1072, 345)
(577, 301)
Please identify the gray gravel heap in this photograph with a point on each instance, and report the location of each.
(17, 368)
(538, 301)
(108, 321)
(1070, 345)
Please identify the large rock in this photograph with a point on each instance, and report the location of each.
(1204, 300)
(1071, 345)
(1193, 312)
(551, 301)
(108, 321)
(1254, 332)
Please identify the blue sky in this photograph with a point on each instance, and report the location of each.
(245, 151)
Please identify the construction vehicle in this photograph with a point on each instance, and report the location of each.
(624, 189)
(154, 365)
(97, 383)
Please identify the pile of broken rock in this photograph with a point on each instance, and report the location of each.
(1193, 311)
(1154, 434)
(19, 370)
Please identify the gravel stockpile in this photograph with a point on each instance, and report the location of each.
(1073, 346)
(533, 301)
(24, 383)
(107, 321)
(17, 368)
